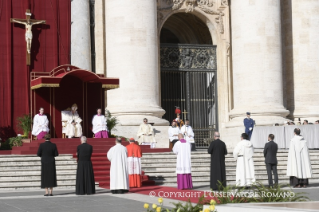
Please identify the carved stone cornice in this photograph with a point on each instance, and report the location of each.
(204, 5)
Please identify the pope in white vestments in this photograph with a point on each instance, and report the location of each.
(99, 125)
(188, 133)
(40, 125)
(245, 170)
(117, 155)
(182, 149)
(73, 126)
(145, 134)
(298, 165)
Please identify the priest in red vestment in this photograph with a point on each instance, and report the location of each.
(134, 155)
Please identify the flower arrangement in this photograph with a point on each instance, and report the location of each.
(24, 123)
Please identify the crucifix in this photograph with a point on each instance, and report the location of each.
(28, 22)
(184, 113)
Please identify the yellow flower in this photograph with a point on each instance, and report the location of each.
(146, 206)
(160, 200)
(206, 210)
(158, 209)
(212, 207)
(213, 202)
(200, 211)
(154, 206)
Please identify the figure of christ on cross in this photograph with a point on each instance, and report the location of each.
(28, 30)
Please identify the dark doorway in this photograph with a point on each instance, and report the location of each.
(188, 74)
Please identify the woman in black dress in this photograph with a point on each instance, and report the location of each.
(47, 151)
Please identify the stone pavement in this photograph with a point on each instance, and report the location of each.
(66, 200)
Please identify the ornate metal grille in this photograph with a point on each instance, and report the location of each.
(188, 79)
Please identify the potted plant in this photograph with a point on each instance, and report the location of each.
(111, 121)
(24, 124)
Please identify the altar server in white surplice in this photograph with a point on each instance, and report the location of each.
(188, 133)
(117, 155)
(145, 134)
(173, 132)
(298, 165)
(99, 125)
(243, 153)
(40, 124)
(73, 127)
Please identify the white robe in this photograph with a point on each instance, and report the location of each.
(148, 132)
(73, 130)
(188, 133)
(183, 161)
(299, 164)
(99, 123)
(173, 131)
(117, 155)
(245, 170)
(40, 123)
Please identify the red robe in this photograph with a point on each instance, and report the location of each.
(134, 155)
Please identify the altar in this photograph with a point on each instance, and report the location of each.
(65, 85)
(283, 135)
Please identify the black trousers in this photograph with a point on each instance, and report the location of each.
(272, 167)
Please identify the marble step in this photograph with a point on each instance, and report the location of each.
(36, 173)
(35, 168)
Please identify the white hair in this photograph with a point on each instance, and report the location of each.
(83, 139)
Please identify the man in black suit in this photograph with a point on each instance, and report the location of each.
(47, 151)
(218, 150)
(270, 154)
(85, 183)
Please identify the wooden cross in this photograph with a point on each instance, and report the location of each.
(28, 23)
(184, 113)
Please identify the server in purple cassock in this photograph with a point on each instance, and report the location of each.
(182, 149)
(249, 125)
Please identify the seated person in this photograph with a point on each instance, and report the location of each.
(145, 134)
(73, 124)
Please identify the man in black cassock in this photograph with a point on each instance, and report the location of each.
(85, 183)
(218, 150)
(47, 151)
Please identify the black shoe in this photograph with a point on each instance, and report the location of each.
(51, 195)
(46, 195)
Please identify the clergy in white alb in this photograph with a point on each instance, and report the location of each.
(173, 132)
(40, 124)
(73, 125)
(298, 165)
(243, 153)
(117, 155)
(145, 134)
(188, 133)
(182, 149)
(99, 125)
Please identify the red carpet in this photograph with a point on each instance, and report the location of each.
(101, 165)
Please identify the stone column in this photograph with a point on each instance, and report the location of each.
(132, 56)
(100, 37)
(80, 34)
(257, 62)
(305, 31)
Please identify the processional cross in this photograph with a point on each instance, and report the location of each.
(28, 22)
(184, 113)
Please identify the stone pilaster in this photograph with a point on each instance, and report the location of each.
(305, 31)
(80, 34)
(132, 56)
(257, 62)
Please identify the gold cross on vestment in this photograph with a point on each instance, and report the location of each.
(184, 113)
(28, 23)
